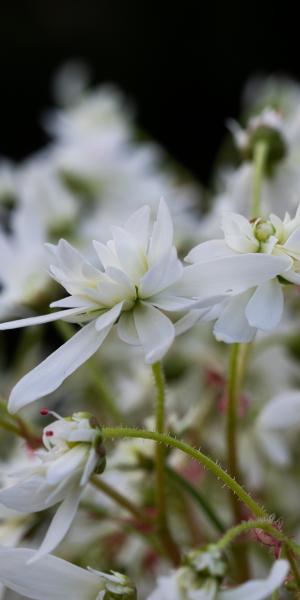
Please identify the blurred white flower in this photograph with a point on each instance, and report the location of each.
(73, 452)
(23, 268)
(55, 579)
(260, 307)
(201, 579)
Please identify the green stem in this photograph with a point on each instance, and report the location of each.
(160, 486)
(197, 496)
(259, 159)
(235, 376)
(232, 409)
(208, 463)
(108, 490)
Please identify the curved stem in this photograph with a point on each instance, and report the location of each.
(160, 487)
(232, 409)
(208, 463)
(259, 159)
(263, 524)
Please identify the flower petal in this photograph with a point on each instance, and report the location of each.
(127, 330)
(232, 325)
(61, 314)
(230, 275)
(109, 317)
(156, 332)
(259, 589)
(50, 373)
(60, 523)
(264, 309)
(209, 251)
(28, 496)
(162, 235)
(138, 226)
(52, 579)
(163, 274)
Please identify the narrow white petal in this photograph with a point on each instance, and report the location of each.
(188, 321)
(281, 413)
(73, 301)
(162, 234)
(49, 375)
(132, 259)
(230, 275)
(109, 317)
(170, 303)
(105, 254)
(66, 464)
(265, 307)
(155, 331)
(61, 314)
(127, 330)
(27, 496)
(232, 326)
(138, 226)
(163, 274)
(209, 251)
(259, 589)
(60, 523)
(51, 579)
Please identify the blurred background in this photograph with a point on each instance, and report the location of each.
(182, 63)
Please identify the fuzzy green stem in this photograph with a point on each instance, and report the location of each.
(235, 377)
(200, 457)
(263, 524)
(259, 159)
(160, 487)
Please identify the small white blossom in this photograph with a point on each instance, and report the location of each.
(259, 307)
(72, 453)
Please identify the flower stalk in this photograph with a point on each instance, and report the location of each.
(259, 158)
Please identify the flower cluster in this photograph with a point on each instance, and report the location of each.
(167, 327)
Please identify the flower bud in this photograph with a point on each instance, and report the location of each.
(263, 230)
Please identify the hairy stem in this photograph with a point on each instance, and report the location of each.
(200, 457)
(160, 483)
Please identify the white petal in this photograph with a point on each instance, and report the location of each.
(232, 326)
(209, 251)
(28, 496)
(138, 226)
(261, 588)
(90, 466)
(281, 413)
(163, 274)
(66, 464)
(162, 234)
(132, 259)
(51, 579)
(106, 255)
(155, 331)
(171, 303)
(49, 375)
(293, 242)
(73, 301)
(109, 317)
(264, 309)
(188, 321)
(60, 523)
(127, 330)
(61, 314)
(231, 275)
(238, 233)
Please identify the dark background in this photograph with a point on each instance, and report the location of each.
(184, 63)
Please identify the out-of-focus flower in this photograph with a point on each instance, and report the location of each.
(55, 579)
(260, 307)
(73, 452)
(202, 579)
(140, 283)
(23, 268)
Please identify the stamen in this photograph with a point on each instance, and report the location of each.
(44, 412)
(49, 433)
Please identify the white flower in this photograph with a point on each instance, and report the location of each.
(23, 272)
(138, 281)
(202, 579)
(259, 307)
(281, 132)
(55, 579)
(72, 453)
